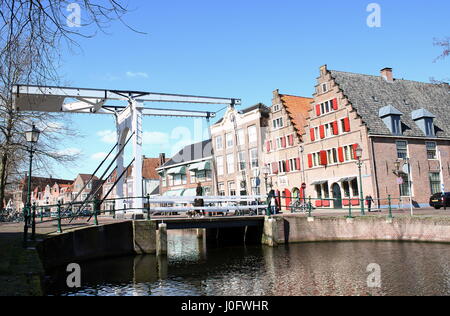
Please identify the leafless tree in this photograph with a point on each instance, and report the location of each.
(31, 35)
(445, 45)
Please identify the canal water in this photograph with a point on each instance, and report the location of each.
(331, 268)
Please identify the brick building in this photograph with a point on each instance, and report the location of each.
(401, 126)
(284, 137)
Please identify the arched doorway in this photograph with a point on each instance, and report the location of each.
(337, 196)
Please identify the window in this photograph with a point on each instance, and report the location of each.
(354, 185)
(219, 162)
(435, 182)
(402, 149)
(221, 189)
(282, 166)
(278, 123)
(241, 137)
(219, 143)
(232, 188)
(242, 162)
(255, 188)
(252, 134)
(254, 158)
(326, 190)
(431, 150)
(229, 139)
(193, 176)
(346, 187)
(404, 187)
(319, 191)
(324, 87)
(230, 163)
(276, 108)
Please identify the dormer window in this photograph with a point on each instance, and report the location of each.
(392, 119)
(425, 121)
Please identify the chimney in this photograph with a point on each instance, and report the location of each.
(387, 74)
(162, 159)
(323, 70)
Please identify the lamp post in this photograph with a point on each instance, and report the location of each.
(359, 153)
(32, 138)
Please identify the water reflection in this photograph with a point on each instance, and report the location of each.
(301, 269)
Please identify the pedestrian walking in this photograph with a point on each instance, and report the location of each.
(369, 201)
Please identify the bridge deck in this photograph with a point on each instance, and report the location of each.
(210, 222)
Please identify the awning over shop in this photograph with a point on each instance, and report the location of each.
(349, 179)
(178, 170)
(190, 192)
(200, 166)
(319, 182)
(174, 193)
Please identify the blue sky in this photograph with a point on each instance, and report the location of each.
(243, 49)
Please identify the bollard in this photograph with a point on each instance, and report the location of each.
(114, 211)
(350, 215)
(42, 215)
(59, 218)
(95, 208)
(390, 207)
(148, 207)
(25, 227)
(161, 240)
(33, 223)
(309, 207)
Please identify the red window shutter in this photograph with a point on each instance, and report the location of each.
(310, 160)
(341, 154)
(288, 167)
(283, 142)
(335, 128)
(313, 135)
(322, 131)
(268, 146)
(335, 104)
(355, 146)
(291, 140)
(347, 124)
(318, 110)
(275, 167)
(297, 163)
(323, 158)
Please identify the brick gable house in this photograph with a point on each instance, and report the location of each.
(284, 136)
(396, 123)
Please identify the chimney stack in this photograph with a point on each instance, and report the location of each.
(162, 159)
(387, 74)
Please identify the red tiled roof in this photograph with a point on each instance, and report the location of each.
(298, 109)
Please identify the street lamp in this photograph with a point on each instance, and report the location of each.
(359, 153)
(32, 138)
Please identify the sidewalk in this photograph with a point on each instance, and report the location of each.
(21, 271)
(424, 212)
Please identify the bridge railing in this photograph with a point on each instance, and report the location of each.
(207, 205)
(73, 214)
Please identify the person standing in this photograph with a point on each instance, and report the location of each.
(272, 202)
(369, 201)
(199, 202)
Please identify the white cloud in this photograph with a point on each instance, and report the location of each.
(70, 152)
(155, 138)
(99, 156)
(131, 74)
(108, 136)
